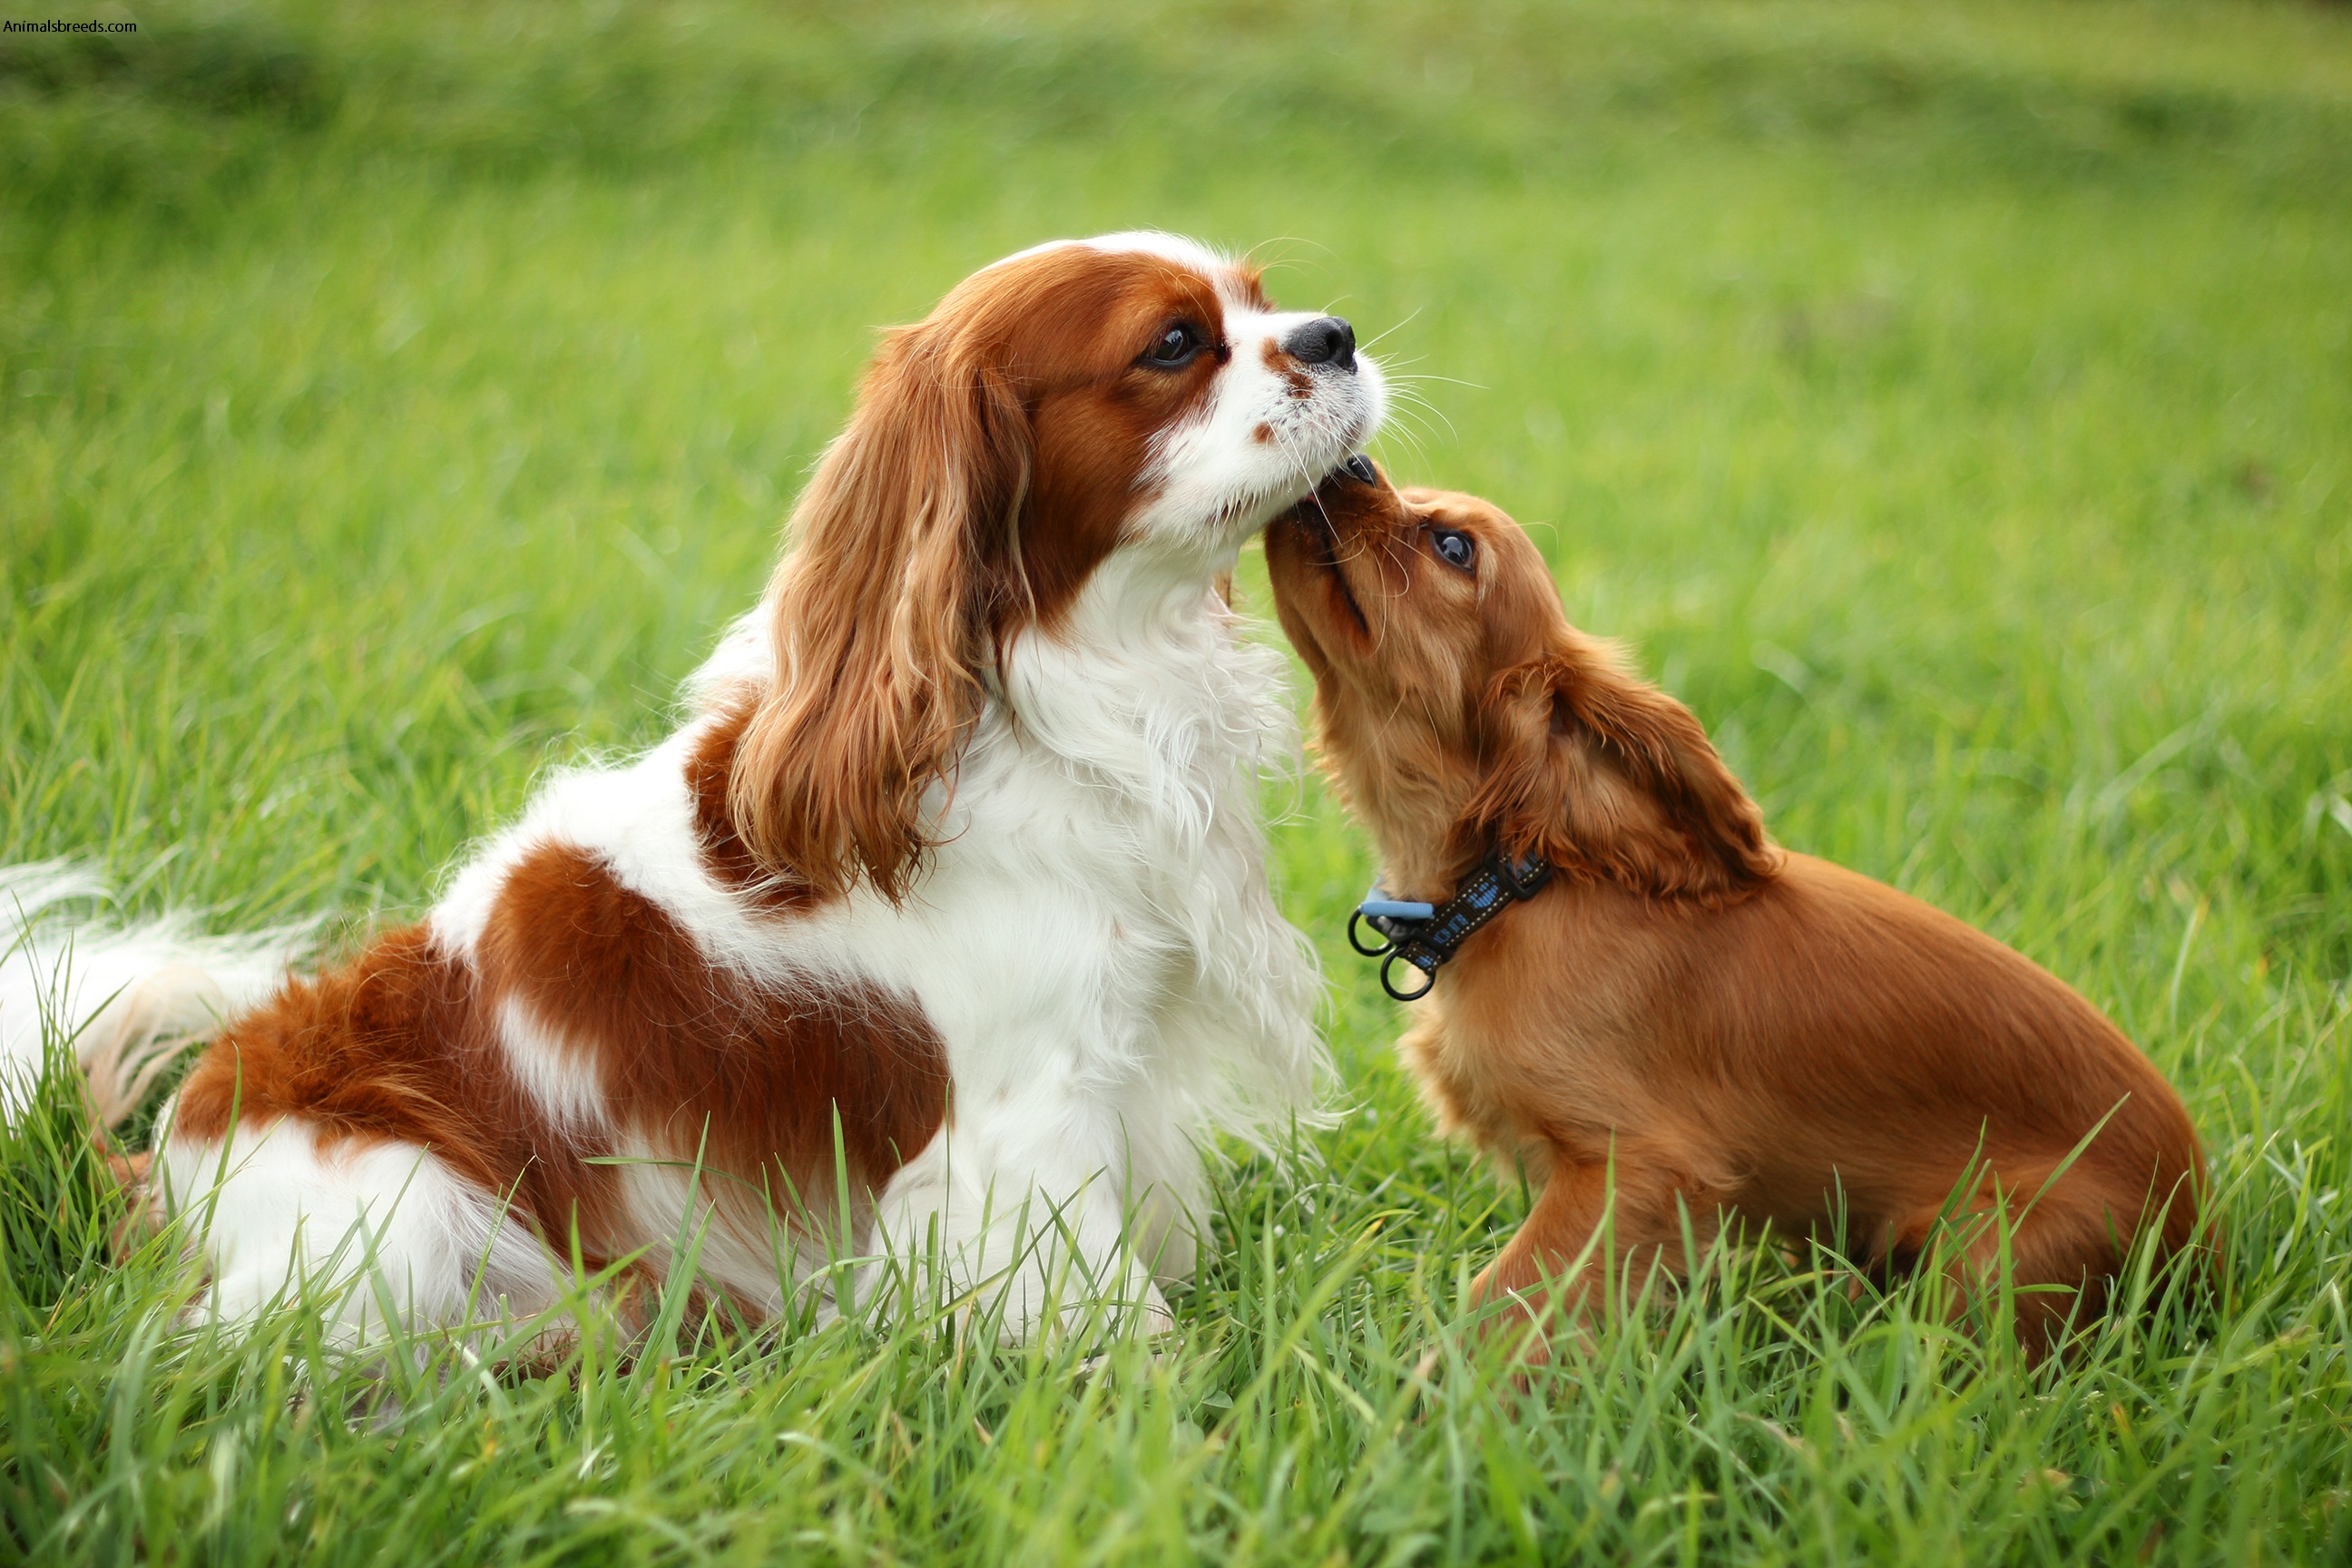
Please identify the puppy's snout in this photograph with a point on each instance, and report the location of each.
(1325, 340)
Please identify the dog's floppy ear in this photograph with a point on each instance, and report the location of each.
(883, 613)
(1604, 774)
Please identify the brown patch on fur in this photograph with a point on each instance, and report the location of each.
(989, 465)
(400, 1044)
(1688, 1020)
(1248, 280)
(403, 1045)
(1301, 384)
(690, 1056)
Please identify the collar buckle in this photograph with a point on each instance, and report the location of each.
(1424, 935)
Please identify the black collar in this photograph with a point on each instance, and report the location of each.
(1427, 935)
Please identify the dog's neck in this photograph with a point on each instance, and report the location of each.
(1411, 796)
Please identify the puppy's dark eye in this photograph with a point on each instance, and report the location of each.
(1454, 548)
(1176, 343)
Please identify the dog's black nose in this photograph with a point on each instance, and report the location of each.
(1359, 469)
(1325, 340)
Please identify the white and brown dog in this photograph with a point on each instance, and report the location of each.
(954, 868)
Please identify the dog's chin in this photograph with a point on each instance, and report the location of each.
(1310, 534)
(1313, 509)
(1307, 522)
(1316, 543)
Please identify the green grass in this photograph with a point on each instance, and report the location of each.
(1950, 402)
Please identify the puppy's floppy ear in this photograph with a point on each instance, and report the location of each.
(1606, 775)
(883, 613)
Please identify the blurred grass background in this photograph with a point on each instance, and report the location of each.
(1950, 401)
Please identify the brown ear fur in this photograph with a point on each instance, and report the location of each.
(1603, 774)
(882, 614)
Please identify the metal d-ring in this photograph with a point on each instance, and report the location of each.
(1390, 985)
(1383, 950)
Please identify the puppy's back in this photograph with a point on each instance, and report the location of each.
(1902, 1042)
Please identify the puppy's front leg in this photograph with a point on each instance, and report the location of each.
(1594, 1227)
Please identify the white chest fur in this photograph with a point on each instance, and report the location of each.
(1097, 945)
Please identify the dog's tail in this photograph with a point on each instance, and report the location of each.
(127, 999)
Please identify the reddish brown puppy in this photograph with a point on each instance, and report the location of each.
(1686, 1015)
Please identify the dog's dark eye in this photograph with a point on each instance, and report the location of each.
(1176, 344)
(1454, 549)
